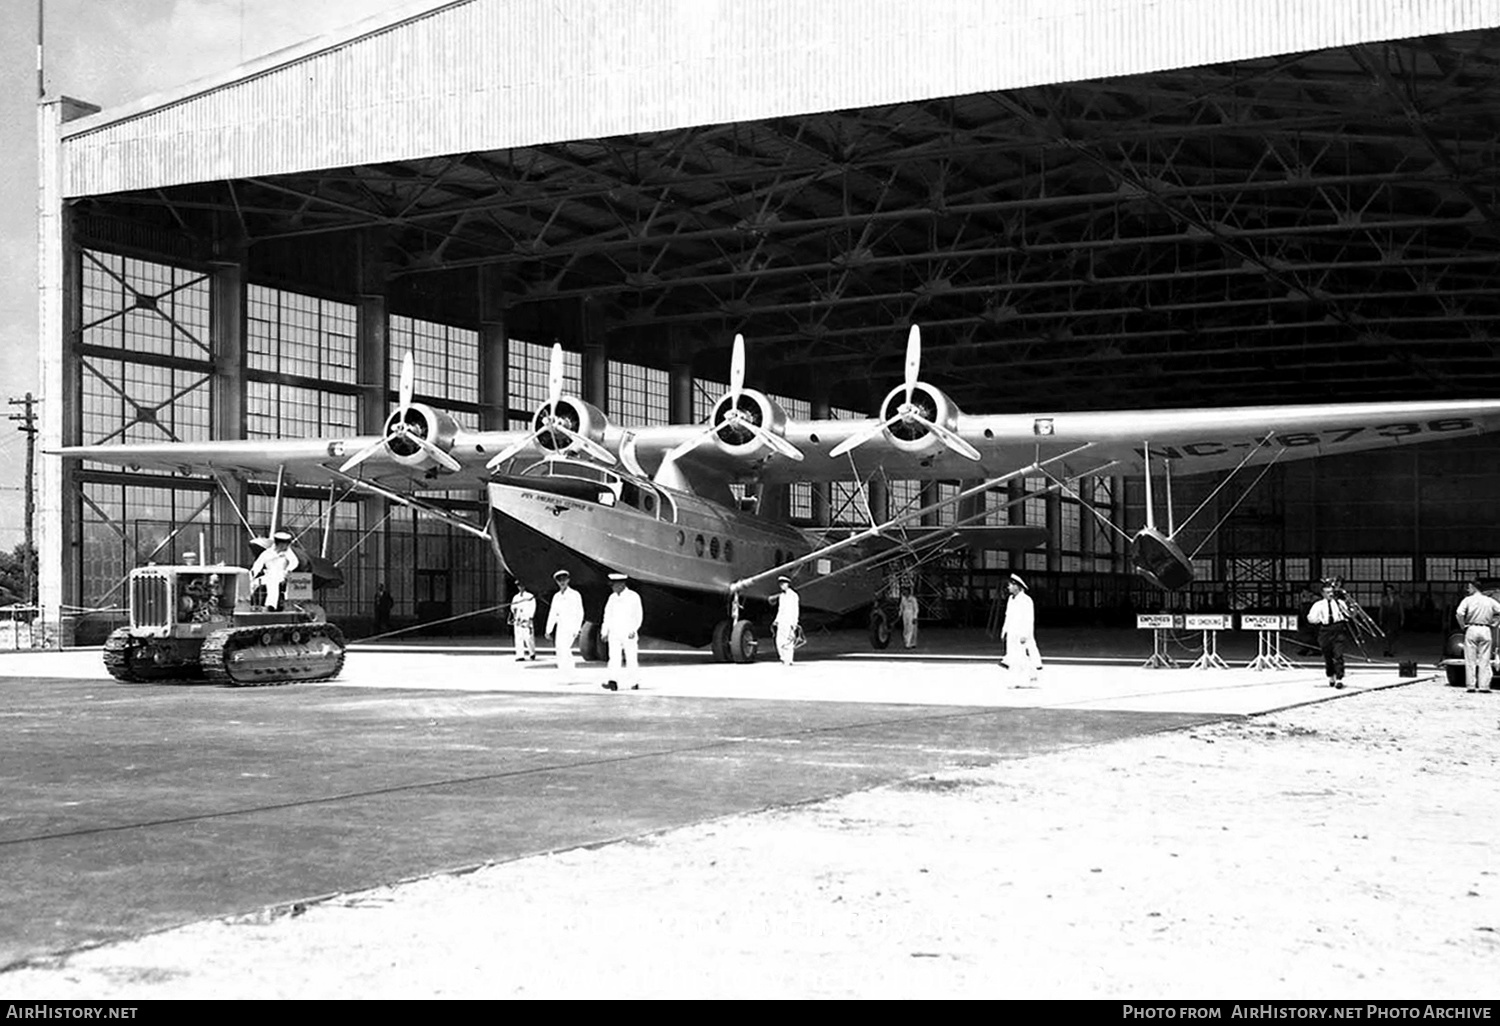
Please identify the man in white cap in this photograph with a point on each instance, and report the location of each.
(272, 567)
(622, 629)
(522, 617)
(788, 612)
(1019, 633)
(565, 619)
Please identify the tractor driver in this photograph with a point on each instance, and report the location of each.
(273, 566)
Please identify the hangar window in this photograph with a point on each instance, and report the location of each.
(638, 395)
(846, 502)
(304, 336)
(445, 359)
(125, 401)
(799, 494)
(288, 411)
(144, 307)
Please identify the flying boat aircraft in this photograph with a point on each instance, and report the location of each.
(579, 493)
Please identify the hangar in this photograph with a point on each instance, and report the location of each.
(1084, 204)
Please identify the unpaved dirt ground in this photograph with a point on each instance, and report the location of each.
(1339, 850)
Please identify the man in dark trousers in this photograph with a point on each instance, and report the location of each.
(383, 604)
(1330, 615)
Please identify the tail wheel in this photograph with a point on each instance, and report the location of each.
(743, 644)
(880, 629)
(720, 643)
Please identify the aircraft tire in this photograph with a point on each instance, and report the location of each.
(588, 642)
(743, 644)
(880, 629)
(720, 643)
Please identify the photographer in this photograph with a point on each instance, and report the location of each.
(1330, 615)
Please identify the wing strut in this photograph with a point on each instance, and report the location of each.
(358, 484)
(871, 532)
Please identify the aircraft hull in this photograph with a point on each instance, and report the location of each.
(681, 566)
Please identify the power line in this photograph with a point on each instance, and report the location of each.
(28, 425)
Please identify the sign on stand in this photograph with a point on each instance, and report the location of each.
(1158, 624)
(1268, 643)
(1210, 624)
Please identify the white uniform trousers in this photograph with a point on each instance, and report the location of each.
(1021, 656)
(786, 641)
(625, 660)
(525, 639)
(1477, 644)
(566, 635)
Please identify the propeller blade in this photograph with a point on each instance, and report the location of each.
(951, 439)
(555, 376)
(913, 359)
(776, 442)
(510, 451)
(692, 443)
(362, 455)
(854, 441)
(588, 445)
(408, 380)
(436, 453)
(737, 370)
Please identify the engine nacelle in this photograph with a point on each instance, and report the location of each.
(756, 408)
(422, 421)
(581, 418)
(933, 404)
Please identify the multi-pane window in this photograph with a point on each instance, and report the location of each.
(124, 401)
(847, 505)
(126, 526)
(144, 307)
(638, 395)
(288, 411)
(1035, 507)
(445, 359)
(706, 395)
(303, 336)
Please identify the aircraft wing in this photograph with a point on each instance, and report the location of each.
(308, 461)
(1197, 440)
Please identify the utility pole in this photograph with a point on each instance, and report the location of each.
(28, 424)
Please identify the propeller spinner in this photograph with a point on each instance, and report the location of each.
(737, 418)
(407, 430)
(556, 425)
(914, 417)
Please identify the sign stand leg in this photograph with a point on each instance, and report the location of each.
(1210, 660)
(1159, 659)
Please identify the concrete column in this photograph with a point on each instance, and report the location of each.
(926, 496)
(494, 352)
(1015, 515)
(680, 379)
(822, 491)
(226, 332)
(59, 307)
(1088, 527)
(372, 351)
(1054, 531)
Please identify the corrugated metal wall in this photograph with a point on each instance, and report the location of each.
(490, 74)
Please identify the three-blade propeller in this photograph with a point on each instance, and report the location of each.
(735, 418)
(399, 429)
(910, 412)
(550, 421)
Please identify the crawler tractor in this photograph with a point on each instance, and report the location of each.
(200, 622)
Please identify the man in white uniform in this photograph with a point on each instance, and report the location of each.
(788, 612)
(273, 565)
(621, 628)
(907, 610)
(1019, 633)
(565, 620)
(1477, 615)
(523, 620)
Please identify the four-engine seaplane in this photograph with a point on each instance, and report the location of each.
(576, 492)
